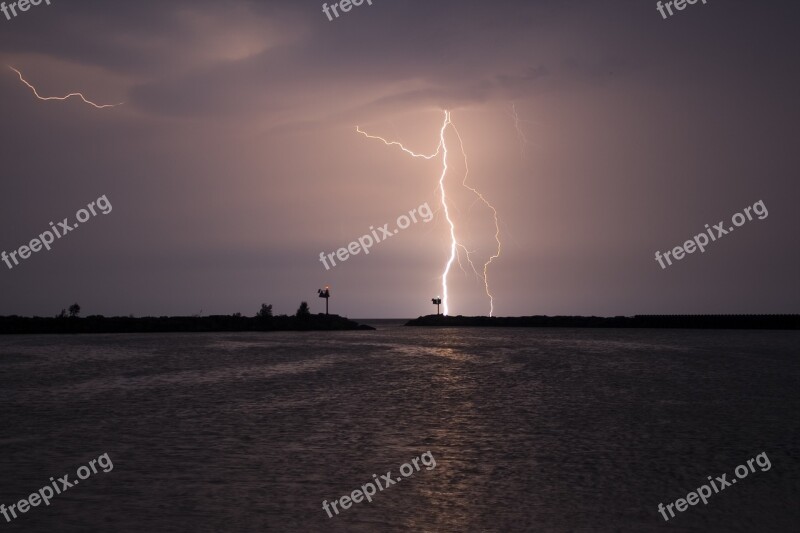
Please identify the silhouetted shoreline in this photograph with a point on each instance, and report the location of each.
(638, 321)
(175, 324)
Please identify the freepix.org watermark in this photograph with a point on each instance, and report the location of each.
(343, 5)
(679, 5)
(701, 240)
(368, 490)
(48, 237)
(48, 492)
(366, 242)
(704, 491)
(22, 5)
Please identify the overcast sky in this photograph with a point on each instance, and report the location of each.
(234, 160)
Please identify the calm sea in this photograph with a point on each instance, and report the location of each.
(531, 429)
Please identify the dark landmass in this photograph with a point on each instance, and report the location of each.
(173, 324)
(638, 321)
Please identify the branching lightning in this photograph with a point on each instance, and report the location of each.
(455, 245)
(496, 225)
(79, 95)
(403, 148)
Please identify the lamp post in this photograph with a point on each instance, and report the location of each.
(437, 302)
(325, 293)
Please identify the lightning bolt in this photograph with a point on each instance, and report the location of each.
(453, 240)
(70, 95)
(455, 245)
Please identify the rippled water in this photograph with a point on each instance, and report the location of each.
(531, 429)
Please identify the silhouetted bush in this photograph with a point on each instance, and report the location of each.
(303, 311)
(265, 312)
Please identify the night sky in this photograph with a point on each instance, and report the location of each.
(234, 159)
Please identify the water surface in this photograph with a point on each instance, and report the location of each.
(531, 429)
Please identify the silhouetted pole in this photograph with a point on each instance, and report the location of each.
(437, 301)
(325, 293)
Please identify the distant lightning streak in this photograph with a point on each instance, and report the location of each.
(79, 95)
(523, 140)
(454, 244)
